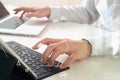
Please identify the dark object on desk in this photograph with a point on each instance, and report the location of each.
(28, 65)
(9, 70)
(7, 63)
(20, 75)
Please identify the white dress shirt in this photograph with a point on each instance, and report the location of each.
(107, 12)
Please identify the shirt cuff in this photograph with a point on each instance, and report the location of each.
(56, 14)
(101, 46)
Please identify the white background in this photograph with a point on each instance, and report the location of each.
(40, 2)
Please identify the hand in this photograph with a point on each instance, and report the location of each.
(33, 12)
(76, 49)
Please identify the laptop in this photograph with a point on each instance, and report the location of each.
(28, 60)
(12, 24)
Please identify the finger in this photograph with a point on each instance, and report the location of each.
(33, 14)
(45, 41)
(39, 45)
(22, 15)
(16, 10)
(19, 9)
(53, 58)
(23, 9)
(26, 9)
(50, 40)
(47, 53)
(67, 63)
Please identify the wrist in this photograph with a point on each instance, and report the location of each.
(48, 12)
(89, 47)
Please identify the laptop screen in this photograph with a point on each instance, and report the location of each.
(3, 11)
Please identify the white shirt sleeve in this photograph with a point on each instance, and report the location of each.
(106, 45)
(85, 13)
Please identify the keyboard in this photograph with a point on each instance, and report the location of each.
(12, 23)
(32, 59)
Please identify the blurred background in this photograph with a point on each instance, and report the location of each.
(40, 2)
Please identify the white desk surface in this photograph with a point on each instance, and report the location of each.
(93, 68)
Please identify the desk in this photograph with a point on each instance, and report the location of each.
(93, 68)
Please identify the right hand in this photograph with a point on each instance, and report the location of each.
(75, 49)
(29, 12)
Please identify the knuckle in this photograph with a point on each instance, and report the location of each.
(46, 38)
(52, 59)
(51, 46)
(57, 50)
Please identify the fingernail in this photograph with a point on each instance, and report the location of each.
(41, 60)
(50, 64)
(34, 47)
(62, 66)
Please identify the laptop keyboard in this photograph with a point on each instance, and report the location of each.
(11, 23)
(32, 59)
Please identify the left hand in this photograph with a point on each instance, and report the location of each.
(39, 12)
(76, 49)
